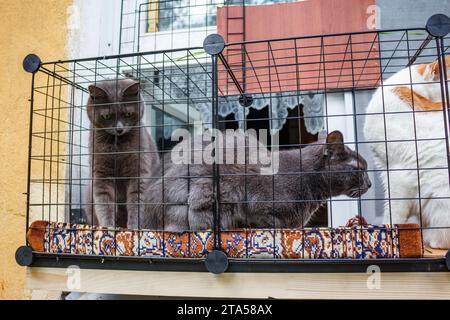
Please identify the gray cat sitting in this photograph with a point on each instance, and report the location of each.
(306, 178)
(121, 152)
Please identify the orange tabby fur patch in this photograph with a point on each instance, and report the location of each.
(421, 68)
(414, 99)
(434, 67)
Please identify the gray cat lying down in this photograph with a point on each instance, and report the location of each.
(288, 201)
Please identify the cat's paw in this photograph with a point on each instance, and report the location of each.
(132, 226)
(356, 221)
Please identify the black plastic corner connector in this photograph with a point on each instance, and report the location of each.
(216, 262)
(438, 25)
(246, 100)
(24, 256)
(31, 63)
(214, 44)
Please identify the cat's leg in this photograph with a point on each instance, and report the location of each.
(437, 233)
(88, 207)
(133, 198)
(436, 223)
(395, 184)
(151, 217)
(105, 205)
(201, 205)
(201, 215)
(400, 194)
(435, 213)
(175, 218)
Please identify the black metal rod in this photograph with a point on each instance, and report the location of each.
(419, 50)
(240, 265)
(318, 36)
(121, 26)
(128, 55)
(216, 170)
(30, 144)
(444, 96)
(231, 73)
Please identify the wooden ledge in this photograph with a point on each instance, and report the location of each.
(393, 285)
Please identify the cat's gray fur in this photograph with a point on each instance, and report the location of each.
(121, 151)
(288, 201)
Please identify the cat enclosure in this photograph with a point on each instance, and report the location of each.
(287, 90)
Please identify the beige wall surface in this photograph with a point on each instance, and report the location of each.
(26, 26)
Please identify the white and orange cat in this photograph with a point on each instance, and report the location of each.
(405, 128)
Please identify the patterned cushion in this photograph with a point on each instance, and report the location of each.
(360, 242)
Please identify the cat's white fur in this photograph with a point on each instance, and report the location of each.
(413, 168)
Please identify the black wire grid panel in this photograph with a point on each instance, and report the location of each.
(190, 89)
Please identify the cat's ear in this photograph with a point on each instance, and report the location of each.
(132, 89)
(96, 92)
(434, 68)
(322, 138)
(335, 143)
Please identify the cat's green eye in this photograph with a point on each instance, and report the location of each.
(108, 116)
(127, 114)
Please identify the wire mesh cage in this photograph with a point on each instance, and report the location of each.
(349, 125)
